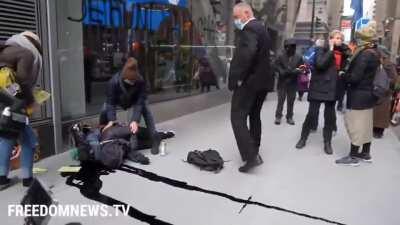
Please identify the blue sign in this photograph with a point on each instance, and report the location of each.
(111, 13)
(361, 23)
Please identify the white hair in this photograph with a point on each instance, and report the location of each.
(244, 6)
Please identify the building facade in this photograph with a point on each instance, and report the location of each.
(387, 15)
(86, 42)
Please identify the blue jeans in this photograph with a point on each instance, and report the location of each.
(28, 142)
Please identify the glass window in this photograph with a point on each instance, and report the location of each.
(95, 37)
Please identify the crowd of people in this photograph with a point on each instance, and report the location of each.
(358, 80)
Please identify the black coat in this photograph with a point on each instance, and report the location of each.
(251, 61)
(124, 95)
(360, 78)
(324, 77)
(286, 67)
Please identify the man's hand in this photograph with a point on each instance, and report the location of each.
(110, 124)
(134, 126)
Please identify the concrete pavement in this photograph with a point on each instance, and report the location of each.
(306, 181)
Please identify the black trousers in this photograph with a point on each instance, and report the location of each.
(286, 92)
(312, 119)
(341, 91)
(247, 104)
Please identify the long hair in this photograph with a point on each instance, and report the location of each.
(130, 70)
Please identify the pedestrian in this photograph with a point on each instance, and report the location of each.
(207, 76)
(127, 89)
(383, 111)
(23, 55)
(323, 90)
(250, 80)
(303, 81)
(342, 55)
(288, 66)
(360, 99)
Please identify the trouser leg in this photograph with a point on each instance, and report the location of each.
(329, 120)
(255, 118)
(242, 103)
(291, 98)
(281, 101)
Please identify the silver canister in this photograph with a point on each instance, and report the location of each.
(163, 148)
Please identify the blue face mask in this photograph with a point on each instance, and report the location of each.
(238, 24)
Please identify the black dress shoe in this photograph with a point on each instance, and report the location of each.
(301, 144)
(250, 165)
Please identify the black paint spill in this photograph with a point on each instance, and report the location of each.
(183, 185)
(87, 180)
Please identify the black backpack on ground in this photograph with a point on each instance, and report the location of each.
(209, 160)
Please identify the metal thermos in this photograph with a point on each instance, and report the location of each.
(163, 148)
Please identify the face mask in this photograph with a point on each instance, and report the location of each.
(238, 24)
(129, 82)
(320, 43)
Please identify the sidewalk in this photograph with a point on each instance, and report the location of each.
(306, 181)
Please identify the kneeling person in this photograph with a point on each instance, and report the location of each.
(127, 89)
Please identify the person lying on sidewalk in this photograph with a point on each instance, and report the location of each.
(88, 140)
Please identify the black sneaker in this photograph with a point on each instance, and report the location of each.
(6, 182)
(169, 134)
(378, 135)
(278, 121)
(348, 161)
(26, 182)
(290, 121)
(138, 158)
(364, 157)
(301, 144)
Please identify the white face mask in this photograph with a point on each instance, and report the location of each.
(320, 43)
(238, 24)
(129, 82)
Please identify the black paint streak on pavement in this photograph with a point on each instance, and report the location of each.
(87, 180)
(183, 185)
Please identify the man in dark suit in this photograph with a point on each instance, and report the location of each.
(250, 79)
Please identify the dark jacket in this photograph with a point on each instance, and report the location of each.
(346, 55)
(126, 96)
(286, 67)
(324, 77)
(251, 61)
(360, 78)
(21, 60)
(206, 74)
